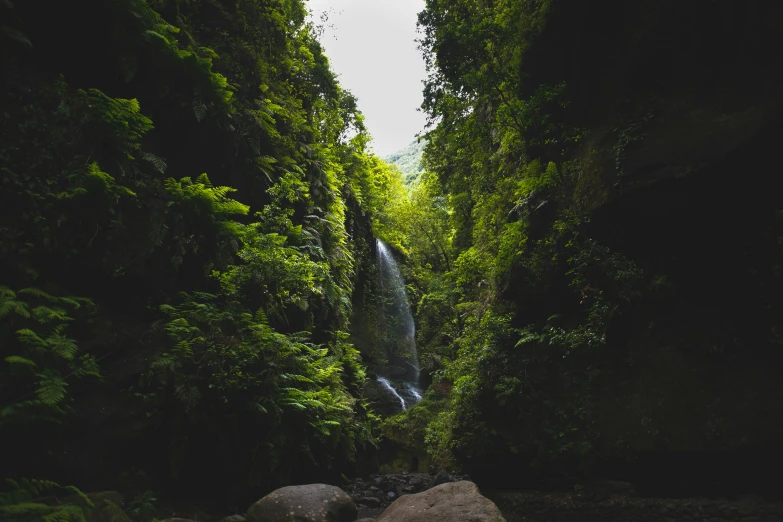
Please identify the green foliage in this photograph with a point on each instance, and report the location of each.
(40, 355)
(204, 157)
(628, 134)
(142, 507)
(409, 428)
(31, 500)
(223, 356)
(515, 300)
(408, 160)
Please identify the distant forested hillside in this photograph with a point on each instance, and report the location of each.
(409, 160)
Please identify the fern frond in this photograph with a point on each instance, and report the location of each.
(46, 314)
(37, 293)
(157, 162)
(24, 511)
(8, 306)
(62, 346)
(29, 337)
(51, 388)
(16, 359)
(89, 367)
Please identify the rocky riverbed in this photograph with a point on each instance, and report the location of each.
(421, 497)
(375, 493)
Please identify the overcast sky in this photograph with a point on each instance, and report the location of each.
(371, 47)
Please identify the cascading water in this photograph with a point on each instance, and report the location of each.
(412, 390)
(386, 384)
(393, 286)
(400, 331)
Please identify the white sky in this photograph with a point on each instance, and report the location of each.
(371, 47)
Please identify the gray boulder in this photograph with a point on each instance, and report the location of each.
(310, 503)
(451, 502)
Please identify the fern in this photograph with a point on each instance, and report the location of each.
(16, 359)
(31, 338)
(51, 388)
(24, 502)
(46, 314)
(157, 162)
(62, 346)
(35, 292)
(9, 305)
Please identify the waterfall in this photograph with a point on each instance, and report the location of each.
(413, 390)
(386, 384)
(393, 285)
(399, 339)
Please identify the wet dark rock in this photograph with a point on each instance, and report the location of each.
(443, 477)
(370, 501)
(396, 371)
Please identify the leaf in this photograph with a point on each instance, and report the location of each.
(16, 359)
(28, 336)
(8, 306)
(157, 162)
(37, 293)
(51, 388)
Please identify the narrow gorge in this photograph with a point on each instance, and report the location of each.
(562, 301)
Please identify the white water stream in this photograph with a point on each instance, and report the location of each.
(386, 384)
(393, 283)
(402, 330)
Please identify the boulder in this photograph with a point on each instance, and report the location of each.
(310, 503)
(443, 477)
(370, 501)
(233, 518)
(452, 502)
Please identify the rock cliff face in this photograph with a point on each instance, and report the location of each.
(681, 105)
